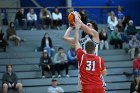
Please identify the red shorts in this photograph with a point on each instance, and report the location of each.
(92, 89)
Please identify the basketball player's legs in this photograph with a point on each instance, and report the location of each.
(79, 86)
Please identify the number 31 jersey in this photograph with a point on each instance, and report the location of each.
(90, 67)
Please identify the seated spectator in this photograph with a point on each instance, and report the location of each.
(131, 30)
(120, 14)
(45, 18)
(20, 19)
(83, 16)
(57, 18)
(32, 19)
(122, 32)
(136, 65)
(54, 88)
(72, 58)
(46, 44)
(61, 62)
(10, 81)
(135, 85)
(3, 42)
(112, 21)
(103, 39)
(134, 45)
(11, 34)
(116, 39)
(46, 64)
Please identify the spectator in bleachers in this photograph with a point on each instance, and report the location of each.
(57, 18)
(32, 19)
(136, 65)
(46, 44)
(121, 30)
(103, 39)
(131, 29)
(11, 34)
(10, 80)
(135, 85)
(116, 39)
(61, 61)
(20, 19)
(45, 18)
(126, 21)
(112, 21)
(46, 64)
(134, 45)
(83, 16)
(72, 58)
(3, 42)
(54, 88)
(120, 14)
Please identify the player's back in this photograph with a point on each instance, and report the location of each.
(90, 70)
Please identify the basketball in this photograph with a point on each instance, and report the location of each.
(71, 19)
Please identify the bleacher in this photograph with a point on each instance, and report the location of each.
(25, 61)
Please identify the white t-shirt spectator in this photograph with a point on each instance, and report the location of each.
(57, 16)
(55, 90)
(31, 17)
(112, 24)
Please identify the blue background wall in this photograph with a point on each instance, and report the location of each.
(131, 7)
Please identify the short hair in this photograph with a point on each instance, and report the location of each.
(89, 46)
(94, 24)
(9, 65)
(60, 48)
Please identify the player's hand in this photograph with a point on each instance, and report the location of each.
(77, 23)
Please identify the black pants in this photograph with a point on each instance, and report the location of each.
(57, 23)
(46, 21)
(74, 63)
(117, 43)
(45, 68)
(60, 66)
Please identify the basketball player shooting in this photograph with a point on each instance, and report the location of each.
(90, 66)
(89, 33)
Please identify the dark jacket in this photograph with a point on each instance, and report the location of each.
(20, 16)
(102, 37)
(131, 30)
(43, 43)
(45, 61)
(1, 36)
(9, 79)
(10, 32)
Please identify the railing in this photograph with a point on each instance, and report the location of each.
(99, 15)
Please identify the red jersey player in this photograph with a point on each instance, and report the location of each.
(90, 66)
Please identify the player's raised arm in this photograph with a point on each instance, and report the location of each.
(77, 27)
(90, 31)
(67, 37)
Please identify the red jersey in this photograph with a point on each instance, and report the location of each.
(90, 67)
(136, 64)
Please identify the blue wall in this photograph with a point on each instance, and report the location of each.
(131, 7)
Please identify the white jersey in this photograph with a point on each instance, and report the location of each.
(87, 38)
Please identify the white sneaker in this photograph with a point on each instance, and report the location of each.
(43, 76)
(59, 76)
(67, 75)
(53, 76)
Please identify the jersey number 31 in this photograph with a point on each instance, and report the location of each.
(90, 66)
